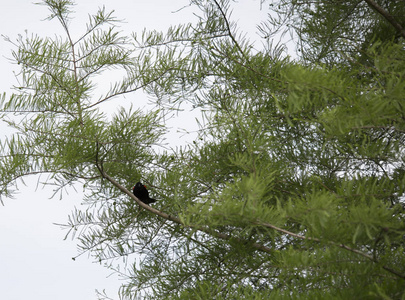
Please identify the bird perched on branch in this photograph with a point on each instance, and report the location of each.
(142, 193)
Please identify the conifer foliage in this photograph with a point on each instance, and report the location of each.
(295, 186)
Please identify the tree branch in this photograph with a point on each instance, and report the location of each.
(343, 246)
(175, 219)
(228, 237)
(387, 16)
(228, 28)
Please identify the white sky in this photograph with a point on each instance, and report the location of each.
(35, 261)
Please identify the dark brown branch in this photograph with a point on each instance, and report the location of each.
(387, 16)
(228, 28)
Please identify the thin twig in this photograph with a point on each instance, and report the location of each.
(228, 27)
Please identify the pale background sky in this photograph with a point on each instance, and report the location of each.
(35, 261)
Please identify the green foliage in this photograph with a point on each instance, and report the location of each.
(295, 185)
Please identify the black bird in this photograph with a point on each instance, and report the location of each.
(142, 193)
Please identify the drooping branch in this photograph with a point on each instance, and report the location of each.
(176, 219)
(343, 246)
(387, 16)
(228, 237)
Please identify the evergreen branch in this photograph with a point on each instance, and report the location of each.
(20, 111)
(77, 99)
(272, 77)
(99, 22)
(387, 16)
(227, 237)
(380, 127)
(173, 218)
(181, 41)
(90, 73)
(228, 28)
(343, 246)
(53, 172)
(58, 83)
(123, 92)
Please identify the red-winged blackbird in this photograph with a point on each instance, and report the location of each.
(142, 193)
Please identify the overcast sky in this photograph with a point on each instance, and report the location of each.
(35, 261)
